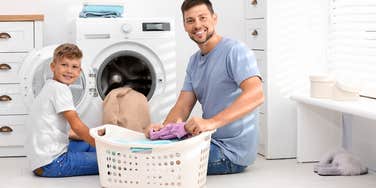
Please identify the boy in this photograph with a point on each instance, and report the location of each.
(50, 152)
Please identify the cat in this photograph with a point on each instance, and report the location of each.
(339, 163)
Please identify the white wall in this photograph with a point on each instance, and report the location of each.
(59, 16)
(361, 139)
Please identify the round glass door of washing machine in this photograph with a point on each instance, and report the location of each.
(43, 73)
(126, 69)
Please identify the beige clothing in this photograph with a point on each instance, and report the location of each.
(127, 108)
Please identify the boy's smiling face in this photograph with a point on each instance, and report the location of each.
(66, 70)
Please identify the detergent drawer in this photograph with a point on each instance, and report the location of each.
(11, 100)
(16, 36)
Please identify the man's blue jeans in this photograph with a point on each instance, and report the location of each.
(80, 159)
(220, 164)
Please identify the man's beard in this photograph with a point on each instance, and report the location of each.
(208, 37)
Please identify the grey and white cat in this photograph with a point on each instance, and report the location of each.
(339, 163)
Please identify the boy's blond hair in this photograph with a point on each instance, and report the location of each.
(67, 50)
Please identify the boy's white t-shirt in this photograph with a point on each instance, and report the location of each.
(48, 129)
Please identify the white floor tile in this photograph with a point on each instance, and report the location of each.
(263, 174)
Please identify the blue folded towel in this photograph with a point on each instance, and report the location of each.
(109, 14)
(105, 11)
(143, 141)
(103, 8)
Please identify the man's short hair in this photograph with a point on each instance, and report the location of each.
(187, 4)
(67, 50)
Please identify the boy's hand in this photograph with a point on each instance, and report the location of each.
(73, 135)
(102, 132)
(154, 127)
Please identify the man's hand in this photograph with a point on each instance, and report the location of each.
(197, 125)
(154, 127)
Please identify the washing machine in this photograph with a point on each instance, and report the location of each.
(117, 52)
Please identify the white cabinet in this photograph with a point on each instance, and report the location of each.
(289, 40)
(256, 34)
(255, 9)
(18, 35)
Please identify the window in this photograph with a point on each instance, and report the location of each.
(352, 43)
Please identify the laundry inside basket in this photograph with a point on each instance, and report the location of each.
(142, 141)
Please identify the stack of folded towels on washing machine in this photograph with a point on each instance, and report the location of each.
(103, 9)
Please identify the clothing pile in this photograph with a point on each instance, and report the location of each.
(170, 131)
(102, 9)
(127, 108)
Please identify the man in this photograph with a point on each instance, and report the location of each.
(223, 76)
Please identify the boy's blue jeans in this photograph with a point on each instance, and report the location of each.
(80, 159)
(220, 164)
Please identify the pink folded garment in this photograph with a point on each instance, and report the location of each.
(170, 131)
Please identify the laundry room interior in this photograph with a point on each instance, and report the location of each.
(296, 88)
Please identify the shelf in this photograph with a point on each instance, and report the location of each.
(362, 107)
(31, 17)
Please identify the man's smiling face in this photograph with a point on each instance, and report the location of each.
(200, 23)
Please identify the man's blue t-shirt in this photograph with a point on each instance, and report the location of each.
(215, 79)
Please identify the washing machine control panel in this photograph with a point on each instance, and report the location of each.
(156, 26)
(127, 28)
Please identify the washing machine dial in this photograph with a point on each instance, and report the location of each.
(127, 28)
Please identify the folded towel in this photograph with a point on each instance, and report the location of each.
(143, 141)
(100, 14)
(104, 11)
(103, 8)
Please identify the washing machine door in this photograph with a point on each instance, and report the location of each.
(36, 70)
(129, 64)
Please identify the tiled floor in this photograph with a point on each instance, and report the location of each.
(263, 174)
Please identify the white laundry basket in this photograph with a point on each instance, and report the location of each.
(178, 164)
